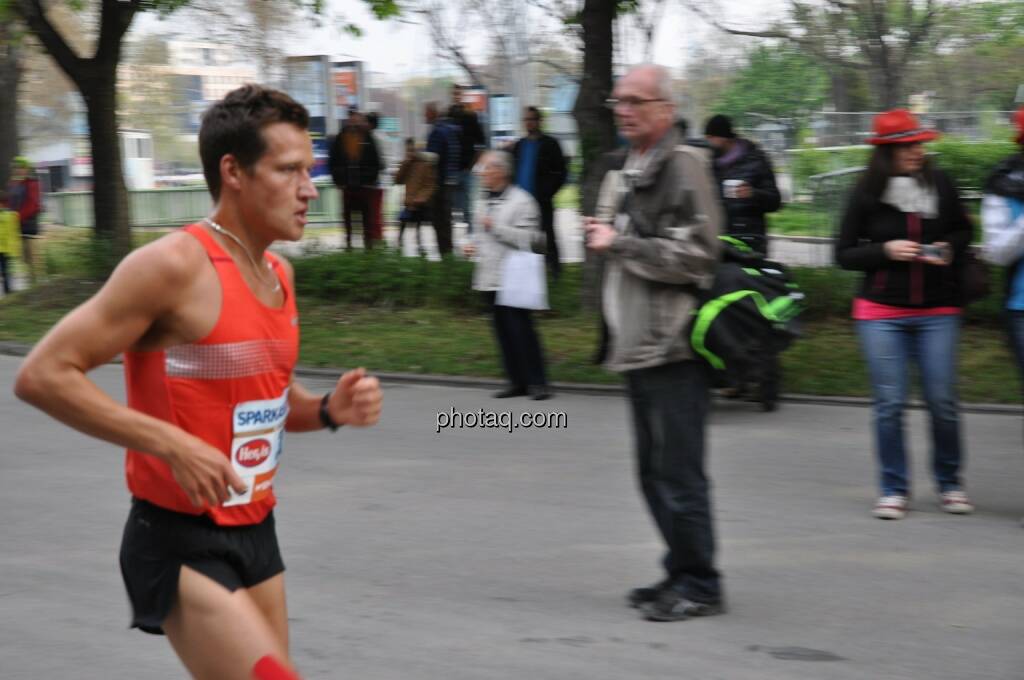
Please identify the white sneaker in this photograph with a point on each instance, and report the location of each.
(956, 502)
(890, 507)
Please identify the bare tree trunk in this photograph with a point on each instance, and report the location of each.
(594, 122)
(96, 79)
(109, 194)
(10, 79)
(892, 89)
(593, 119)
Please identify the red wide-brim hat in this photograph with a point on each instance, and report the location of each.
(900, 126)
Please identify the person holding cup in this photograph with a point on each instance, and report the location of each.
(746, 185)
(746, 182)
(906, 229)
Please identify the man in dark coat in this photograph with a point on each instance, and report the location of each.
(443, 140)
(472, 141)
(355, 166)
(541, 170)
(746, 182)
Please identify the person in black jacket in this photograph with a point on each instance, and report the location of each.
(746, 182)
(907, 230)
(355, 166)
(541, 170)
(746, 185)
(472, 142)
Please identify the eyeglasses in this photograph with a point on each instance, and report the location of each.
(630, 102)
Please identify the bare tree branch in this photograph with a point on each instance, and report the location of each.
(34, 15)
(450, 48)
(561, 68)
(115, 18)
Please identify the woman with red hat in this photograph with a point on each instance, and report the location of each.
(907, 231)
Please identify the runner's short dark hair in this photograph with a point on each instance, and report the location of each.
(234, 125)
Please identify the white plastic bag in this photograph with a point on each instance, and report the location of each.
(523, 281)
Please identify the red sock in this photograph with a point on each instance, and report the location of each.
(269, 668)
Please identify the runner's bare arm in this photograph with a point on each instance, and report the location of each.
(356, 399)
(143, 295)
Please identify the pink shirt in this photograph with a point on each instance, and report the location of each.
(866, 310)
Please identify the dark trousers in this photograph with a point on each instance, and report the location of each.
(1015, 327)
(670, 408)
(358, 199)
(376, 219)
(547, 222)
(441, 217)
(5, 272)
(520, 347)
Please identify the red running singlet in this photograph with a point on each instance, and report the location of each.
(230, 389)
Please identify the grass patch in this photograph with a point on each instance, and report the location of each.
(436, 340)
(424, 340)
(392, 313)
(799, 219)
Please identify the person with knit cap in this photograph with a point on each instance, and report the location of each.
(906, 229)
(746, 182)
(746, 186)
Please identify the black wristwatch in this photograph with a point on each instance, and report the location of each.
(325, 417)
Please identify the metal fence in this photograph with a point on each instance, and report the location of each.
(843, 128)
(175, 206)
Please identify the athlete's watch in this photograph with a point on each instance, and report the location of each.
(325, 416)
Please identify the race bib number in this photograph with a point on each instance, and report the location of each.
(257, 438)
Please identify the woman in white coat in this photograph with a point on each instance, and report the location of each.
(508, 220)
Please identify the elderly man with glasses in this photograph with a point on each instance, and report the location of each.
(657, 224)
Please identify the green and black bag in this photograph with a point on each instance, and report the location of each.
(748, 314)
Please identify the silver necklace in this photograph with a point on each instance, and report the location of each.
(224, 232)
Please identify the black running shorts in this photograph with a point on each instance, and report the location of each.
(157, 542)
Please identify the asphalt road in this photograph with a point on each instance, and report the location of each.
(484, 555)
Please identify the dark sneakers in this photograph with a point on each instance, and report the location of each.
(638, 597)
(540, 393)
(511, 392)
(672, 606)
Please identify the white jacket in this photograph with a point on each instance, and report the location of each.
(516, 226)
(1003, 235)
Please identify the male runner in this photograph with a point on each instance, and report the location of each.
(206, 320)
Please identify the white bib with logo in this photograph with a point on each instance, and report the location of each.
(257, 438)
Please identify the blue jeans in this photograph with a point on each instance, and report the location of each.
(889, 345)
(464, 197)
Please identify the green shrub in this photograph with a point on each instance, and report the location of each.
(384, 278)
(800, 219)
(829, 294)
(969, 163)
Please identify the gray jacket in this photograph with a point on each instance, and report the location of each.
(516, 220)
(668, 246)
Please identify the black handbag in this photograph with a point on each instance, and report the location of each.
(976, 279)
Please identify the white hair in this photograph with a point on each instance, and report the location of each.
(662, 79)
(502, 159)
